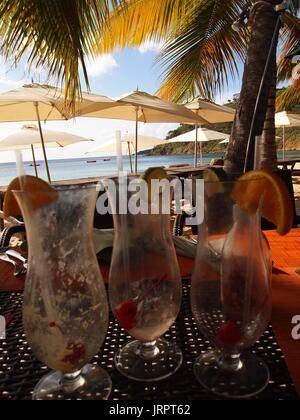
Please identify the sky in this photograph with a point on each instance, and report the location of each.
(112, 75)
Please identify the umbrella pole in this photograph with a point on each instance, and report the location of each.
(136, 138)
(196, 149)
(201, 153)
(34, 161)
(42, 140)
(130, 159)
(283, 141)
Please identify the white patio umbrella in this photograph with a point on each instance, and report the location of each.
(286, 119)
(142, 107)
(226, 141)
(211, 112)
(144, 143)
(201, 135)
(204, 135)
(28, 137)
(128, 145)
(108, 147)
(36, 102)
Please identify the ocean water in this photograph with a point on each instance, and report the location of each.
(79, 168)
(65, 169)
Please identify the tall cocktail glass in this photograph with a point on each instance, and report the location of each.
(231, 296)
(65, 310)
(144, 290)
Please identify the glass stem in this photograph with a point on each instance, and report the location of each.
(148, 350)
(72, 381)
(230, 362)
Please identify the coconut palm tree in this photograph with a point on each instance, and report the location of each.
(202, 50)
(290, 35)
(56, 34)
(289, 70)
(200, 47)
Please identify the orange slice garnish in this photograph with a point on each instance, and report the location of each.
(268, 187)
(41, 192)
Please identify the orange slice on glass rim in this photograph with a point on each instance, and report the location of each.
(268, 187)
(41, 192)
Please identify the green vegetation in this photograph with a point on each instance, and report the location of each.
(187, 148)
(292, 136)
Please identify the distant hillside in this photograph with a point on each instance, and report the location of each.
(292, 136)
(187, 148)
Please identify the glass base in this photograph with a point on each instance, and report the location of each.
(148, 362)
(92, 383)
(249, 379)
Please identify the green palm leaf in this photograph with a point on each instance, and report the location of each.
(139, 20)
(290, 35)
(56, 35)
(201, 50)
(290, 39)
(204, 55)
(290, 97)
(201, 47)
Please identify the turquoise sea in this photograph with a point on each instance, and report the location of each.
(80, 168)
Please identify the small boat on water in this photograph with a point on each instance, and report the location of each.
(91, 161)
(106, 160)
(32, 165)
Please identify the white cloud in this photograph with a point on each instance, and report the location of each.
(226, 96)
(2, 67)
(149, 46)
(157, 130)
(9, 82)
(4, 80)
(101, 65)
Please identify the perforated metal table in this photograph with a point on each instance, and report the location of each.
(20, 371)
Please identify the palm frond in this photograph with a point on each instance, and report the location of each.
(290, 36)
(136, 21)
(205, 54)
(290, 97)
(201, 47)
(56, 35)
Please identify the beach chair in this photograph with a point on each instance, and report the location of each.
(16, 226)
(10, 226)
(9, 232)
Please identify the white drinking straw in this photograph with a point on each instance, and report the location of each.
(20, 167)
(257, 153)
(119, 151)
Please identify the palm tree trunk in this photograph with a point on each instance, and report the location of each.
(268, 151)
(264, 19)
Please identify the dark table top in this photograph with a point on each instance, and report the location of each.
(20, 371)
(289, 161)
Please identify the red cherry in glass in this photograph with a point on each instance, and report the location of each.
(77, 354)
(229, 333)
(126, 313)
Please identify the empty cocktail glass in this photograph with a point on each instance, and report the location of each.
(231, 297)
(145, 291)
(65, 310)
